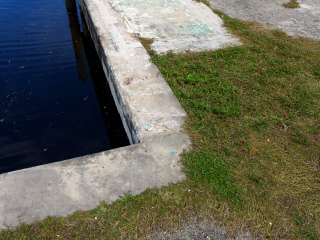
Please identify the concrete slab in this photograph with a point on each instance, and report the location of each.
(180, 25)
(152, 116)
(62, 188)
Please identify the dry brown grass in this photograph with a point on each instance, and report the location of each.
(291, 4)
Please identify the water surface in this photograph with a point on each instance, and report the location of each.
(49, 110)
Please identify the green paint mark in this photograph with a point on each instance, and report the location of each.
(196, 29)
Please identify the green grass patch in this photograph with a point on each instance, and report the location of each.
(291, 4)
(146, 42)
(213, 170)
(206, 2)
(253, 117)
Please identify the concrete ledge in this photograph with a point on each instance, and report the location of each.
(62, 188)
(144, 100)
(152, 117)
(198, 43)
(180, 25)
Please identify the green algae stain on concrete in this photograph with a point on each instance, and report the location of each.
(177, 25)
(197, 29)
(161, 18)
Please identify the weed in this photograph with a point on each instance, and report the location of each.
(126, 199)
(300, 138)
(291, 4)
(214, 171)
(146, 42)
(206, 2)
(306, 227)
(260, 125)
(255, 178)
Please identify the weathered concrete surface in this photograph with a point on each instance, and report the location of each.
(59, 189)
(180, 25)
(303, 21)
(143, 98)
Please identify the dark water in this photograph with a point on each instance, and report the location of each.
(54, 103)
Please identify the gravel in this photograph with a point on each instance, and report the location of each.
(201, 230)
(303, 21)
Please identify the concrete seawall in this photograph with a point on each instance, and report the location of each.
(143, 98)
(153, 120)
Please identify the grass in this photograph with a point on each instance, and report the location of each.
(256, 108)
(253, 117)
(146, 42)
(206, 2)
(291, 4)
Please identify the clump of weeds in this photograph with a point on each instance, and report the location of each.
(291, 4)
